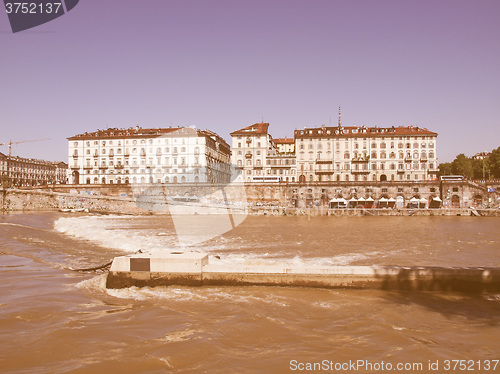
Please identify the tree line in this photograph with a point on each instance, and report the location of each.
(488, 168)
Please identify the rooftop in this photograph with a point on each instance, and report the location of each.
(257, 128)
(355, 131)
(139, 132)
(284, 141)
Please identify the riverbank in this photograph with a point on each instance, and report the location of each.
(361, 211)
(13, 200)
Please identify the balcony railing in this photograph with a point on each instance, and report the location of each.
(361, 159)
(360, 171)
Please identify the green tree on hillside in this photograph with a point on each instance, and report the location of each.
(444, 169)
(480, 169)
(494, 163)
(462, 165)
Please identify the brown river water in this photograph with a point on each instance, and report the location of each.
(55, 320)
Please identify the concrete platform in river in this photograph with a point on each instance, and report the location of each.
(194, 269)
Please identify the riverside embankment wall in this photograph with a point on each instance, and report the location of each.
(261, 198)
(33, 200)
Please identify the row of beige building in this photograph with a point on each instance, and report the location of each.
(28, 172)
(314, 154)
(189, 155)
(328, 154)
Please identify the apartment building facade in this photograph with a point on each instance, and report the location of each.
(28, 172)
(339, 153)
(365, 154)
(259, 157)
(154, 155)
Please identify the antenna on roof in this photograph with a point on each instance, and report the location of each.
(340, 120)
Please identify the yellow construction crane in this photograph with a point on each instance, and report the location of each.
(10, 142)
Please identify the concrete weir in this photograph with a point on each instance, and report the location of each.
(194, 269)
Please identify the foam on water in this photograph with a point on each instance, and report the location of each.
(195, 294)
(126, 234)
(298, 261)
(114, 232)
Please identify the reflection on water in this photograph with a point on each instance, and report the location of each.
(55, 320)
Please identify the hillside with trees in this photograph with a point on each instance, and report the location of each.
(488, 168)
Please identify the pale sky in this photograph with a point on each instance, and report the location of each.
(224, 65)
